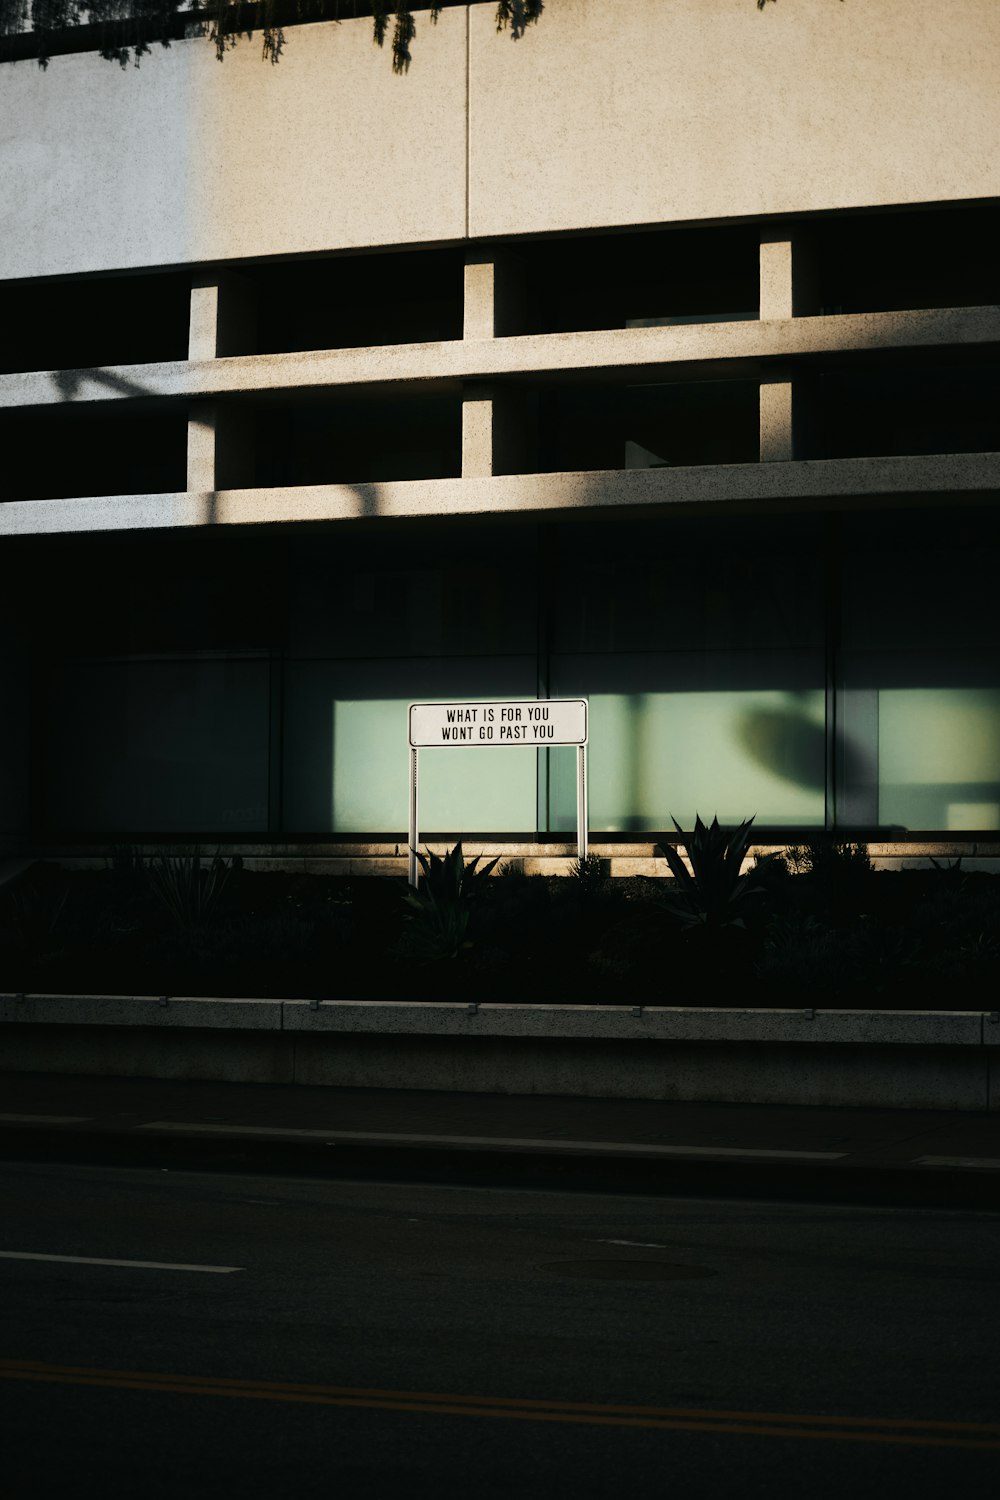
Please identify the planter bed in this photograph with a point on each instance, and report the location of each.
(889, 941)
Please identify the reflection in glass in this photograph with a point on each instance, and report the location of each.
(728, 751)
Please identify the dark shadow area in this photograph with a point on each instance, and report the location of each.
(905, 940)
(790, 667)
(152, 712)
(922, 408)
(944, 257)
(97, 320)
(647, 426)
(59, 452)
(350, 439)
(352, 301)
(72, 385)
(786, 742)
(617, 280)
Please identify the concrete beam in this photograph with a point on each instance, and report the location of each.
(819, 481)
(687, 351)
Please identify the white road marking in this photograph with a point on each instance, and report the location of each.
(142, 1265)
(44, 1119)
(626, 1148)
(636, 1244)
(989, 1163)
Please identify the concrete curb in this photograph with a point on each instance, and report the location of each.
(499, 1019)
(838, 1057)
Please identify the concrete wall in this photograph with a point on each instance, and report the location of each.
(185, 159)
(696, 109)
(903, 1060)
(655, 111)
(946, 1078)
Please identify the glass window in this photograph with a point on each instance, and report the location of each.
(918, 701)
(157, 745)
(700, 646)
(346, 756)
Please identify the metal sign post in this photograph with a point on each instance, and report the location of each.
(536, 723)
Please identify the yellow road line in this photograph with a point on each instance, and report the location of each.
(903, 1431)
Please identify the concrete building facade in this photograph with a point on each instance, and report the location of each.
(653, 359)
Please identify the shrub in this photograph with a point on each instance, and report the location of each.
(713, 893)
(190, 894)
(439, 910)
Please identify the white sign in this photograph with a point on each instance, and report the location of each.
(535, 722)
(541, 722)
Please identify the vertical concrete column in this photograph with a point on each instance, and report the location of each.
(223, 316)
(776, 278)
(222, 322)
(777, 421)
(202, 426)
(785, 292)
(494, 294)
(496, 422)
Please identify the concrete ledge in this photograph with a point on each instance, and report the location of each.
(141, 1010)
(665, 1023)
(655, 1022)
(890, 1059)
(380, 858)
(799, 483)
(682, 351)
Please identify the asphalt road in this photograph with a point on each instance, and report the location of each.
(296, 1337)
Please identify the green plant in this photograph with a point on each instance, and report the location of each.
(439, 909)
(588, 873)
(950, 873)
(190, 893)
(35, 918)
(837, 876)
(713, 893)
(829, 860)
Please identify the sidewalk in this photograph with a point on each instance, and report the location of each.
(846, 1155)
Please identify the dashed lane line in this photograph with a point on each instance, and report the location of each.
(987, 1163)
(139, 1265)
(611, 1148)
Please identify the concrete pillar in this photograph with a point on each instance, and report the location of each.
(787, 275)
(777, 429)
(223, 316)
(786, 291)
(496, 420)
(220, 453)
(220, 443)
(775, 279)
(202, 421)
(494, 295)
(477, 432)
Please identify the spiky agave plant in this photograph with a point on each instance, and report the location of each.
(713, 893)
(440, 908)
(191, 894)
